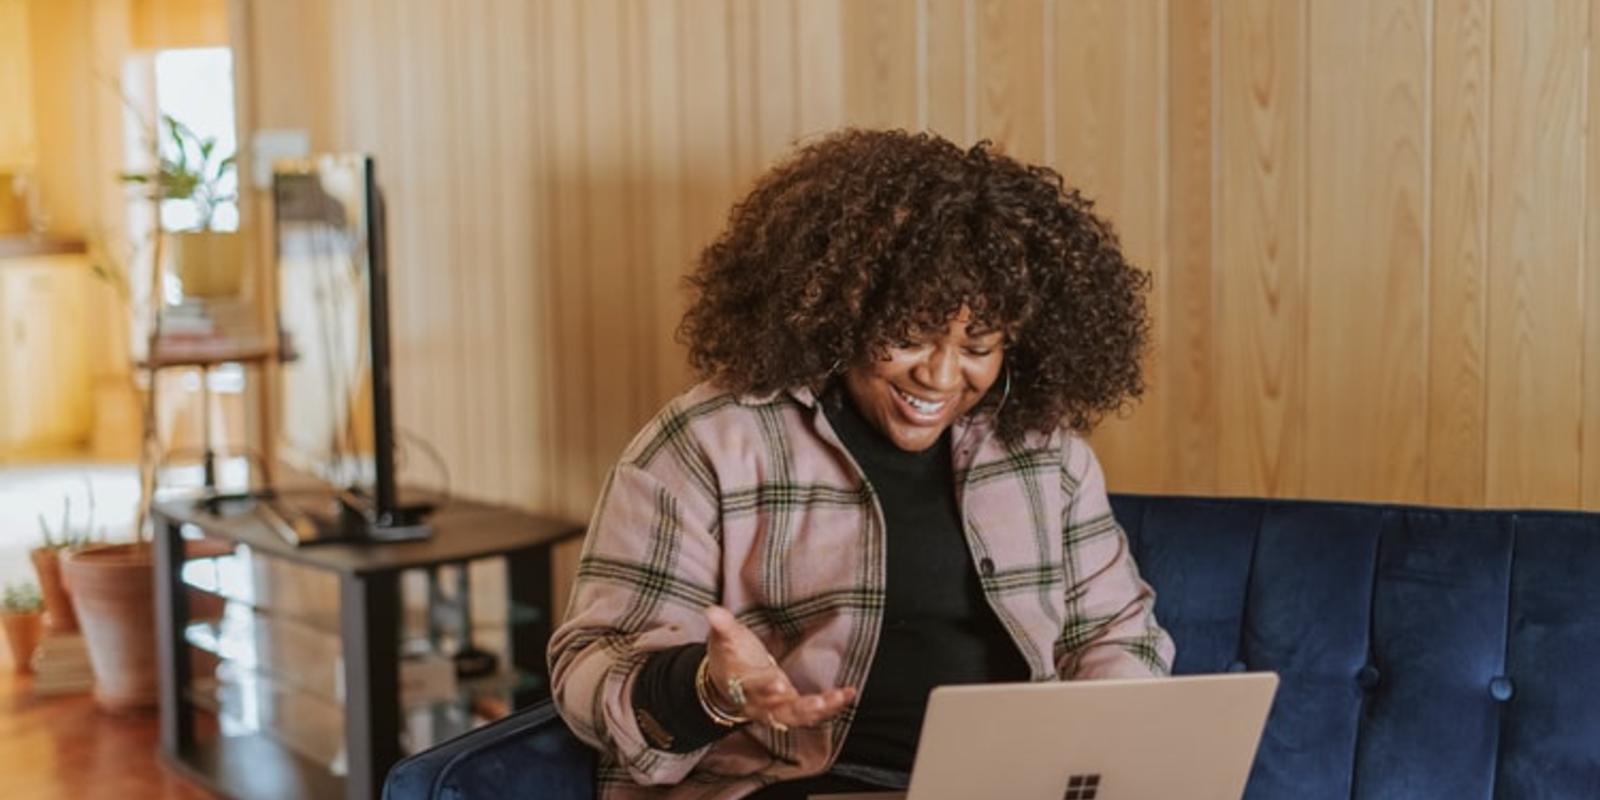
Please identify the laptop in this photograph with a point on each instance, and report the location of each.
(1192, 737)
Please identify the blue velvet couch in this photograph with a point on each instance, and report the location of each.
(1424, 653)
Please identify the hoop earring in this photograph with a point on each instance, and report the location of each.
(1005, 393)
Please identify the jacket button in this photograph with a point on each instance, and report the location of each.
(986, 566)
(1367, 678)
(1237, 666)
(1501, 688)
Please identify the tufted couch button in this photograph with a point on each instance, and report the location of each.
(1237, 666)
(986, 566)
(1501, 688)
(1367, 677)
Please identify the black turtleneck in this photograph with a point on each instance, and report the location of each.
(938, 627)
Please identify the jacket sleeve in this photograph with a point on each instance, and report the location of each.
(1110, 629)
(650, 565)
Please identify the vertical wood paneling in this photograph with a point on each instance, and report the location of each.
(1591, 273)
(450, 107)
(669, 255)
(945, 54)
(1010, 66)
(1459, 233)
(609, 339)
(542, 401)
(821, 62)
(1366, 383)
(470, 135)
(880, 63)
(399, 143)
(523, 296)
(777, 94)
(1109, 144)
(567, 254)
(1535, 242)
(744, 105)
(488, 71)
(1190, 452)
(428, 335)
(1260, 304)
(1368, 284)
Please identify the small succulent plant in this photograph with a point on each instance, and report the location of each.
(21, 598)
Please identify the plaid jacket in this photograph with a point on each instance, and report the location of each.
(753, 502)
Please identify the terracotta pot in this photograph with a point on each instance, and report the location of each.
(113, 590)
(59, 617)
(22, 633)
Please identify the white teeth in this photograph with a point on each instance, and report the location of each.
(920, 404)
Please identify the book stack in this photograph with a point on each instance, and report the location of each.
(207, 319)
(61, 665)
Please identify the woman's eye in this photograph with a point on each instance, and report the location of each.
(978, 352)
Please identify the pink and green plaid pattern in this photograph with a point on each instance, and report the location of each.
(752, 502)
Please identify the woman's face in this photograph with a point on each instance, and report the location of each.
(915, 392)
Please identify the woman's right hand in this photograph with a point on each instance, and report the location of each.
(733, 651)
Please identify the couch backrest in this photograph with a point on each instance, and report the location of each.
(1423, 652)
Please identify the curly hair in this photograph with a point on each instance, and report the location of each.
(866, 238)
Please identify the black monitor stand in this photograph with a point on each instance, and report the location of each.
(334, 516)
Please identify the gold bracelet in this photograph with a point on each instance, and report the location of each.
(704, 691)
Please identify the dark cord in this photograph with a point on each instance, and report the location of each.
(444, 469)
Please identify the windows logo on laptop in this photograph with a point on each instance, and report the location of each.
(1082, 787)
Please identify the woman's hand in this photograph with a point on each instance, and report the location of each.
(734, 653)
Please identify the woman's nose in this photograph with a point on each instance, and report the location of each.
(941, 370)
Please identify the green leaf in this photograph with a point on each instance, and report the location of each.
(176, 128)
(225, 166)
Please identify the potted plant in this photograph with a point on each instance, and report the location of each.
(112, 584)
(112, 590)
(47, 559)
(206, 260)
(21, 611)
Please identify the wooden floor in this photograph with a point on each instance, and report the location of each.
(64, 747)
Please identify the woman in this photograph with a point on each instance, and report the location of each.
(880, 487)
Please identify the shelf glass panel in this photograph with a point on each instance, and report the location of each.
(285, 651)
(286, 589)
(245, 702)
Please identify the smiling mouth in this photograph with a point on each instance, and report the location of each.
(920, 407)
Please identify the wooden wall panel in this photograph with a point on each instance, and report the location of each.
(566, 253)
(776, 95)
(880, 63)
(1590, 443)
(608, 226)
(1012, 83)
(1535, 246)
(1366, 349)
(1107, 96)
(1373, 243)
(179, 23)
(821, 64)
(1458, 254)
(667, 254)
(1260, 300)
(945, 80)
(1189, 454)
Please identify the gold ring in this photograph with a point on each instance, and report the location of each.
(776, 725)
(736, 691)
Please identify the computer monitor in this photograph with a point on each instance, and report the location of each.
(336, 418)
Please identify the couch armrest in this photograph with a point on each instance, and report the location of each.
(528, 754)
